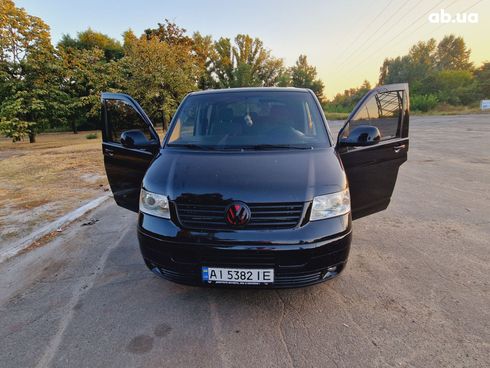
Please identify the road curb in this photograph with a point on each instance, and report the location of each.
(18, 246)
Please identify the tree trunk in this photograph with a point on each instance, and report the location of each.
(32, 137)
(74, 127)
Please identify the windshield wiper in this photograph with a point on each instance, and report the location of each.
(276, 146)
(194, 146)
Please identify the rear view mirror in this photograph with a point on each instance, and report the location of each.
(364, 135)
(135, 139)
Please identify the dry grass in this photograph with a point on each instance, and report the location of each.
(42, 181)
(336, 115)
(452, 110)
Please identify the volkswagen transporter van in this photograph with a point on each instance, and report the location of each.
(249, 187)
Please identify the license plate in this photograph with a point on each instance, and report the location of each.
(251, 276)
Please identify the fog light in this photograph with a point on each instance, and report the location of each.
(331, 272)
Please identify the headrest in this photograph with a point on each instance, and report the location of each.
(279, 111)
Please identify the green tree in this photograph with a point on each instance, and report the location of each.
(170, 33)
(31, 74)
(89, 40)
(222, 63)
(345, 102)
(436, 72)
(274, 73)
(304, 75)
(203, 49)
(37, 98)
(158, 74)
(452, 54)
(426, 58)
(245, 63)
(482, 76)
(86, 75)
(20, 33)
(455, 87)
(424, 53)
(412, 68)
(394, 70)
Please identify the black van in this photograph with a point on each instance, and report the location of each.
(248, 186)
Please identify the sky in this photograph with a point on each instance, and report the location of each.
(346, 40)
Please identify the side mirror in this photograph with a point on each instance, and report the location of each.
(135, 139)
(364, 135)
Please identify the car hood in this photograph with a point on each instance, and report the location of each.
(249, 176)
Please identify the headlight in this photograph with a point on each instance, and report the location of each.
(154, 204)
(330, 205)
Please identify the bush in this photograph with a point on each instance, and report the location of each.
(16, 129)
(330, 107)
(91, 136)
(423, 103)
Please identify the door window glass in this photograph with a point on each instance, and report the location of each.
(122, 117)
(382, 110)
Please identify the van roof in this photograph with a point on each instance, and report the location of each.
(249, 89)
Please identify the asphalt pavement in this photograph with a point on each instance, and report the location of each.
(415, 292)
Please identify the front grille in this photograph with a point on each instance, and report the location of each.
(281, 280)
(263, 216)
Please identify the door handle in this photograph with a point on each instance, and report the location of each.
(399, 148)
(109, 152)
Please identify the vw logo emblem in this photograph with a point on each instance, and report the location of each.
(237, 214)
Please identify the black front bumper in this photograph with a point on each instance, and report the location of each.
(300, 257)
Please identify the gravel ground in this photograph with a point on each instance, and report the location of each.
(415, 292)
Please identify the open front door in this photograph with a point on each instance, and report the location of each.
(130, 143)
(373, 144)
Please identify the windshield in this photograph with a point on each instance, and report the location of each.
(249, 119)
